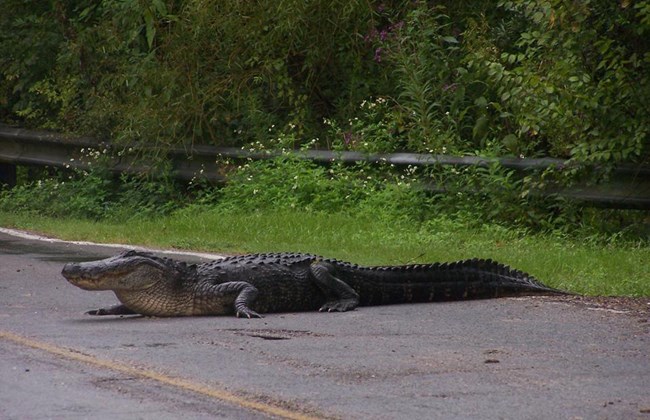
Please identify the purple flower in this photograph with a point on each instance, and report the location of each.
(451, 87)
(396, 26)
(378, 54)
(371, 36)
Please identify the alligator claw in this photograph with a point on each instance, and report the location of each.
(248, 313)
(96, 312)
(102, 311)
(113, 310)
(342, 305)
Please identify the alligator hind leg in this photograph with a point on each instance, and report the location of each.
(340, 296)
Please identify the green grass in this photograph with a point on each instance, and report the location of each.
(578, 266)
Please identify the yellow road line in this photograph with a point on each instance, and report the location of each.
(198, 388)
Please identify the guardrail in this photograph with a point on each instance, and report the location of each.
(628, 187)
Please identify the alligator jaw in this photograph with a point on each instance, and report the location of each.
(122, 272)
(83, 278)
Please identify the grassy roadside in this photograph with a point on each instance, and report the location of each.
(582, 267)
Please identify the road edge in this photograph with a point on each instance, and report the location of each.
(34, 237)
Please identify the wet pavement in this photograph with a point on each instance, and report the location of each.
(507, 358)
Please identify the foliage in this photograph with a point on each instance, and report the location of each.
(575, 82)
(53, 197)
(92, 195)
(525, 77)
(288, 182)
(29, 44)
(521, 78)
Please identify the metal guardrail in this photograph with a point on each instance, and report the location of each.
(628, 187)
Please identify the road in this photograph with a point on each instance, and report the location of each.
(524, 358)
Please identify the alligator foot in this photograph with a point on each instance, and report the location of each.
(247, 294)
(341, 297)
(342, 305)
(113, 310)
(244, 312)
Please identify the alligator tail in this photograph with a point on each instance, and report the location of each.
(467, 279)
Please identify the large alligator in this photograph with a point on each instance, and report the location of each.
(248, 285)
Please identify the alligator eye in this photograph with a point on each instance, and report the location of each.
(129, 253)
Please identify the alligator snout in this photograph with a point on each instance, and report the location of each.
(76, 275)
(71, 270)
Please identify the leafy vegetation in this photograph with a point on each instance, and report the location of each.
(522, 78)
(286, 183)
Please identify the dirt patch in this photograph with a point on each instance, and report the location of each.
(275, 334)
(637, 307)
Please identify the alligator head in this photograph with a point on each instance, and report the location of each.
(130, 270)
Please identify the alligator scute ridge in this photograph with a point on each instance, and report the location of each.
(252, 284)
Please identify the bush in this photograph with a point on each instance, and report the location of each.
(522, 78)
(93, 195)
(526, 77)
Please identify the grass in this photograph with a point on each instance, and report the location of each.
(587, 268)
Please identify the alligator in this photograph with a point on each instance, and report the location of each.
(250, 285)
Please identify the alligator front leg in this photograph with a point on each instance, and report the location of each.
(113, 310)
(340, 296)
(245, 293)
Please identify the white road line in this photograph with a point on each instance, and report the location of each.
(33, 237)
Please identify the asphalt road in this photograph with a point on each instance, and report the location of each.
(526, 358)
